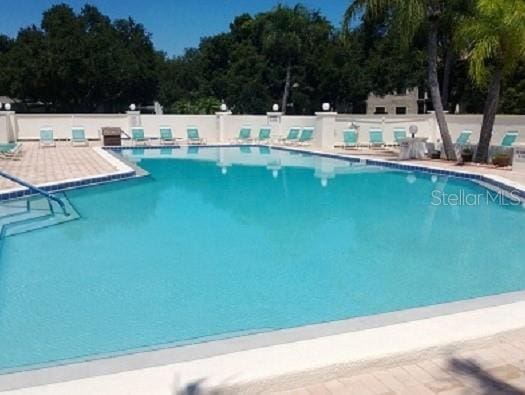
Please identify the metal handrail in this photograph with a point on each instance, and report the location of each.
(37, 190)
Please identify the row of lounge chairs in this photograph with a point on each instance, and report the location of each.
(78, 137)
(351, 138)
(508, 140)
(295, 136)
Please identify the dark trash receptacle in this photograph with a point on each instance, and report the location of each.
(112, 136)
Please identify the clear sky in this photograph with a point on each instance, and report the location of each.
(175, 24)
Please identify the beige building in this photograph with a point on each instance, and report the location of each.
(396, 104)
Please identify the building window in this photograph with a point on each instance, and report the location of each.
(401, 110)
(380, 110)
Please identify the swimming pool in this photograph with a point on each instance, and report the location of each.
(219, 242)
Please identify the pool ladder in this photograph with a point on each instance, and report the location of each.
(50, 198)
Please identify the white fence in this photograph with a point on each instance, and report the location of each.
(223, 127)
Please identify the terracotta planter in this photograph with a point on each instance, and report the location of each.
(501, 161)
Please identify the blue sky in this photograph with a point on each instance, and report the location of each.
(175, 24)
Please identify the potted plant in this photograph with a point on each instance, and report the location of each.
(501, 160)
(466, 155)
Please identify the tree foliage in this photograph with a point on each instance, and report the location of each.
(87, 62)
(492, 38)
(248, 66)
(81, 62)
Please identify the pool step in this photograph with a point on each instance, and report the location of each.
(25, 215)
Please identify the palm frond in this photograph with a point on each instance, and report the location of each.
(493, 37)
(408, 14)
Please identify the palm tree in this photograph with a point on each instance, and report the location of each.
(494, 39)
(411, 15)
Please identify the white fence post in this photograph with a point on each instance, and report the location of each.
(7, 126)
(324, 135)
(221, 124)
(133, 119)
(273, 118)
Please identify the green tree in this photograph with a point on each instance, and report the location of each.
(5, 44)
(203, 105)
(411, 15)
(23, 75)
(494, 39)
(81, 62)
(239, 66)
(389, 65)
(288, 34)
(456, 11)
(513, 92)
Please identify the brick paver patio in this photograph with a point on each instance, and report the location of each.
(493, 365)
(48, 164)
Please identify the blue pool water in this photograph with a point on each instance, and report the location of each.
(225, 241)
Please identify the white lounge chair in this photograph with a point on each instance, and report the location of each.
(166, 135)
(47, 138)
(78, 136)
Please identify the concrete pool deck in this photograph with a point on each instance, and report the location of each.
(328, 364)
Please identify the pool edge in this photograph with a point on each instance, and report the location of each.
(496, 313)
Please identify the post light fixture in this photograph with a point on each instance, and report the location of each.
(275, 107)
(132, 107)
(413, 130)
(326, 106)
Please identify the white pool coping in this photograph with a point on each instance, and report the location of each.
(280, 354)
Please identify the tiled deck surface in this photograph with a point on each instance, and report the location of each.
(391, 154)
(43, 165)
(49, 164)
(494, 365)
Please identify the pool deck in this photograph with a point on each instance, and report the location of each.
(481, 350)
(491, 365)
(391, 155)
(41, 166)
(53, 164)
